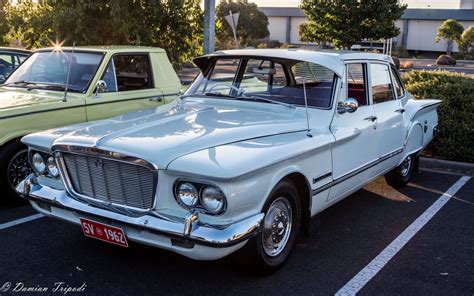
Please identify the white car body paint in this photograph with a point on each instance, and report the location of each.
(246, 148)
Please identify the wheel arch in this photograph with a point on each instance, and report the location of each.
(304, 189)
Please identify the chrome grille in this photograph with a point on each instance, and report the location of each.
(111, 181)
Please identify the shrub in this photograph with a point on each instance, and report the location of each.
(456, 112)
(445, 60)
(406, 65)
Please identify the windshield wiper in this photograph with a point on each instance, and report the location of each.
(59, 87)
(22, 82)
(260, 99)
(215, 94)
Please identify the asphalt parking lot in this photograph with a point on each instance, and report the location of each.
(345, 239)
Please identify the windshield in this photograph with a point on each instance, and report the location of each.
(49, 70)
(266, 80)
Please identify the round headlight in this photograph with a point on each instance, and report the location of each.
(213, 200)
(38, 163)
(187, 194)
(52, 168)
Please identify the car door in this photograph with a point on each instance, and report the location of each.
(388, 110)
(355, 149)
(129, 86)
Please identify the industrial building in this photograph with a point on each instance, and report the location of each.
(418, 26)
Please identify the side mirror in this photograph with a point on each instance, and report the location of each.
(349, 105)
(101, 87)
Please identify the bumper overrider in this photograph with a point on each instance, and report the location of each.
(188, 236)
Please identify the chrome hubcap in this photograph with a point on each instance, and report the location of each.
(277, 227)
(18, 168)
(405, 166)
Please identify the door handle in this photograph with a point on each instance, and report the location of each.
(157, 99)
(401, 110)
(371, 118)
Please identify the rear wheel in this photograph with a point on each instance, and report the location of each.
(14, 168)
(281, 224)
(401, 175)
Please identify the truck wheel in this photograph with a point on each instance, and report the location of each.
(14, 167)
(281, 224)
(401, 175)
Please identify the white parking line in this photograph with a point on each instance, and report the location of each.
(20, 221)
(368, 272)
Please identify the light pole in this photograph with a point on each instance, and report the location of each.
(209, 25)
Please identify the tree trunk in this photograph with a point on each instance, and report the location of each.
(450, 47)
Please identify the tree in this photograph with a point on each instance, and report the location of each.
(345, 22)
(252, 25)
(311, 32)
(174, 25)
(451, 31)
(4, 25)
(467, 44)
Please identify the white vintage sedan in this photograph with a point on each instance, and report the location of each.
(260, 142)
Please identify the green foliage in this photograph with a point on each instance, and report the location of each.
(4, 25)
(451, 31)
(345, 22)
(313, 32)
(467, 44)
(252, 25)
(175, 25)
(456, 112)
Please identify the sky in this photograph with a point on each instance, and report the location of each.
(411, 3)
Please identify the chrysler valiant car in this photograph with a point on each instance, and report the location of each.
(10, 59)
(260, 142)
(101, 82)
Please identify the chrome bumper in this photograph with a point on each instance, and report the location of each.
(187, 231)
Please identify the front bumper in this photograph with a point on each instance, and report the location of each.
(187, 236)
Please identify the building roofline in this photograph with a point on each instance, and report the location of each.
(409, 14)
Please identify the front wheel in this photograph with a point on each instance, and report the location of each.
(401, 175)
(281, 224)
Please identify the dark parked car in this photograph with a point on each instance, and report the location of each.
(10, 59)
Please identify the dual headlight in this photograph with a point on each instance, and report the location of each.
(44, 164)
(193, 195)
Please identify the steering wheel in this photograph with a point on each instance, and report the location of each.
(42, 78)
(239, 91)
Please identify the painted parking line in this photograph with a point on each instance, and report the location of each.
(368, 272)
(20, 221)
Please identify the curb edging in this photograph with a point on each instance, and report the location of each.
(447, 165)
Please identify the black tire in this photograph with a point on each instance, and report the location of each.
(14, 167)
(401, 175)
(256, 252)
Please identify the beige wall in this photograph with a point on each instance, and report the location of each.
(422, 34)
(277, 28)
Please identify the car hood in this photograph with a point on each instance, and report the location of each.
(17, 101)
(160, 135)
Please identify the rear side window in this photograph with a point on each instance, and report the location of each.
(397, 83)
(356, 83)
(381, 83)
(128, 72)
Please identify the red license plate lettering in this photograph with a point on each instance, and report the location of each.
(107, 233)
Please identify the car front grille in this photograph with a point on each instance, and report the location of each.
(111, 181)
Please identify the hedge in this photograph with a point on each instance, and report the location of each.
(456, 112)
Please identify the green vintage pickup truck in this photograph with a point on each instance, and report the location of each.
(62, 86)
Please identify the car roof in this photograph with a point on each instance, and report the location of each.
(15, 50)
(107, 48)
(331, 59)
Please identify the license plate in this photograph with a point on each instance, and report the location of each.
(106, 233)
